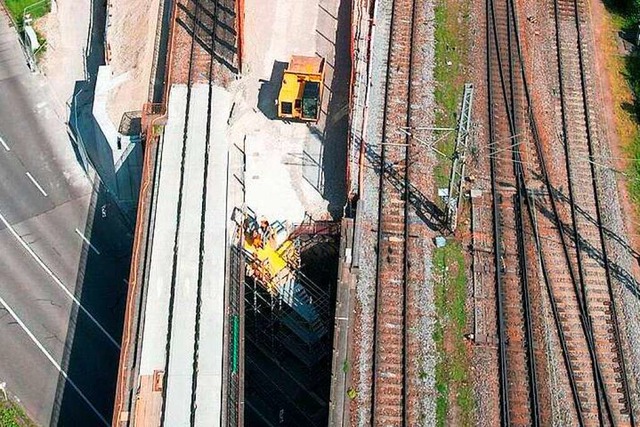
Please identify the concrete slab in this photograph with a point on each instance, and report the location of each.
(292, 168)
(159, 281)
(215, 247)
(180, 371)
(276, 187)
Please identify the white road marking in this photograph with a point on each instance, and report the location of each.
(38, 186)
(4, 144)
(56, 280)
(52, 360)
(87, 241)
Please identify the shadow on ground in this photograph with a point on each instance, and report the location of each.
(269, 90)
(334, 150)
(618, 272)
(90, 359)
(214, 27)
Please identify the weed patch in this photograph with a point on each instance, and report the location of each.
(452, 369)
(13, 416)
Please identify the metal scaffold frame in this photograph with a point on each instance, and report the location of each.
(288, 318)
(234, 331)
(457, 177)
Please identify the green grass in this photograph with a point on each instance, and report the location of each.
(632, 148)
(452, 369)
(626, 19)
(37, 8)
(13, 416)
(633, 151)
(448, 71)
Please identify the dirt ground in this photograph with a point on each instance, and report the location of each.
(131, 37)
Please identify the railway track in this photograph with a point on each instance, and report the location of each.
(592, 263)
(390, 396)
(574, 267)
(518, 382)
(193, 34)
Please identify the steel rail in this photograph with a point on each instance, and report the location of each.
(522, 254)
(178, 219)
(510, 104)
(497, 233)
(576, 236)
(405, 232)
(407, 198)
(196, 341)
(544, 172)
(600, 388)
(556, 217)
(596, 196)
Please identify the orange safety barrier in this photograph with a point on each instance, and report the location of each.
(240, 31)
(124, 371)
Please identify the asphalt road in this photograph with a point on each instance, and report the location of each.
(61, 296)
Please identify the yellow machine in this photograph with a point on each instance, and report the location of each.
(301, 93)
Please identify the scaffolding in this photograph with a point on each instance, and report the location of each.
(288, 314)
(276, 286)
(457, 177)
(235, 341)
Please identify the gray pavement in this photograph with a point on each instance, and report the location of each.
(179, 377)
(159, 277)
(215, 249)
(50, 205)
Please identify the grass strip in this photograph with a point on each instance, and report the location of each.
(11, 415)
(624, 72)
(448, 72)
(36, 8)
(454, 401)
(452, 368)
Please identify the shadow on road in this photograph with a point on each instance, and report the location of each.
(90, 358)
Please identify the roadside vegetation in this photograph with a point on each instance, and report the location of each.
(625, 77)
(454, 402)
(13, 416)
(18, 9)
(36, 8)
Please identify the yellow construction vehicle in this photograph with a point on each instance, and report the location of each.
(301, 92)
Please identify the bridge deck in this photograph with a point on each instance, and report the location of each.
(179, 380)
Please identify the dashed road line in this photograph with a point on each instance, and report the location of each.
(53, 361)
(38, 186)
(57, 281)
(82, 236)
(4, 144)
